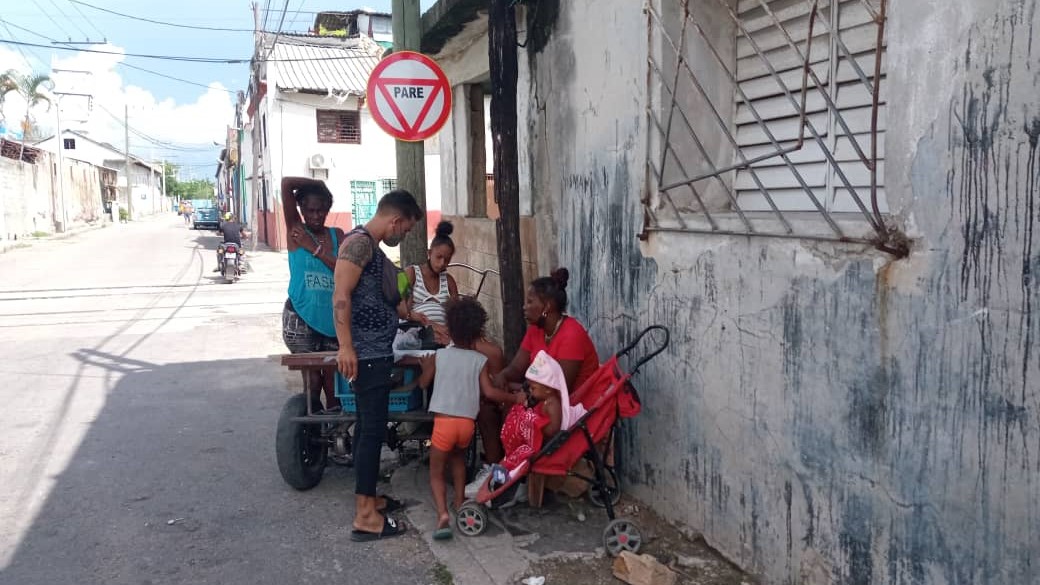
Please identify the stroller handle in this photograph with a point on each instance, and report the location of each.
(628, 348)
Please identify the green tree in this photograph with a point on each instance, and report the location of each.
(193, 189)
(34, 88)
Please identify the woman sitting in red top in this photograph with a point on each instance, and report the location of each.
(549, 329)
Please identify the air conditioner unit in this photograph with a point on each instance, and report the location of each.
(317, 162)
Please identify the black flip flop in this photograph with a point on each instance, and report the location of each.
(390, 529)
(392, 505)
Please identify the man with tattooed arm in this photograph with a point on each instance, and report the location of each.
(366, 321)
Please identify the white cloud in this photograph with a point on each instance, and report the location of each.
(199, 122)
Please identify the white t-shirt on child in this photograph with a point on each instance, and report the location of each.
(456, 385)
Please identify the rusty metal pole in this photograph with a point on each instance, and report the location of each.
(502, 57)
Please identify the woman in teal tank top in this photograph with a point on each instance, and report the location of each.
(307, 319)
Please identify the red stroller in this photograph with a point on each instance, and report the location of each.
(608, 397)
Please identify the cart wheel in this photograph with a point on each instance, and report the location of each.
(471, 519)
(299, 448)
(612, 489)
(621, 535)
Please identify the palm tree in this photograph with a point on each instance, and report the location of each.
(34, 88)
(8, 83)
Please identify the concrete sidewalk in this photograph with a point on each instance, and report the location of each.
(562, 541)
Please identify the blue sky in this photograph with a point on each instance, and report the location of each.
(163, 110)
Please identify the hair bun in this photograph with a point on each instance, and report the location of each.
(444, 229)
(560, 276)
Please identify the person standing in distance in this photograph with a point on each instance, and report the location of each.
(366, 315)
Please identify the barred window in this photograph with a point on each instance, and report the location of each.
(339, 126)
(761, 107)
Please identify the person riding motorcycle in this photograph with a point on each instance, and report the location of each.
(233, 232)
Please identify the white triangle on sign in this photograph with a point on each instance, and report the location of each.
(410, 100)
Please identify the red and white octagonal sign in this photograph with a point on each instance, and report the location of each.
(409, 96)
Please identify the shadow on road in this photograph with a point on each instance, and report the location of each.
(175, 482)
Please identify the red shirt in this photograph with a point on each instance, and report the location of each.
(571, 342)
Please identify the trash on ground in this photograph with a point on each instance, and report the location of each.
(642, 570)
(534, 581)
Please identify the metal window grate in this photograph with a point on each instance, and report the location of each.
(765, 118)
(339, 126)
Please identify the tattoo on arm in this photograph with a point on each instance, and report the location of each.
(342, 313)
(357, 250)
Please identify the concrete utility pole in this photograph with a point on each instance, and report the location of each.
(129, 186)
(411, 163)
(502, 60)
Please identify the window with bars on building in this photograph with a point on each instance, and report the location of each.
(339, 126)
(386, 186)
(69, 143)
(842, 65)
(761, 107)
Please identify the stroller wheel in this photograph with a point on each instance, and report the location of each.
(621, 535)
(612, 489)
(471, 519)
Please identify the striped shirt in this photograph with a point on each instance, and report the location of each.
(431, 305)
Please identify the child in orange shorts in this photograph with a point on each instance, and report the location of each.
(461, 377)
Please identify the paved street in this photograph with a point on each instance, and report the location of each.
(138, 419)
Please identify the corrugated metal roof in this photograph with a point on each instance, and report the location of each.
(306, 67)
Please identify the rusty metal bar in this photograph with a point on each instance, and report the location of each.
(765, 127)
(680, 59)
(836, 35)
(833, 107)
(668, 197)
(682, 169)
(722, 125)
(843, 239)
(874, 113)
(716, 173)
(812, 129)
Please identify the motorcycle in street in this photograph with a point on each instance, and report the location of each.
(229, 256)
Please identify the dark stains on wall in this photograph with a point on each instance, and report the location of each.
(868, 411)
(856, 542)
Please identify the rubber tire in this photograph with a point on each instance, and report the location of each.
(471, 519)
(290, 441)
(594, 497)
(229, 272)
(632, 540)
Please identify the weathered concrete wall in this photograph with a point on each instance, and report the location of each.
(475, 245)
(825, 414)
(25, 198)
(31, 200)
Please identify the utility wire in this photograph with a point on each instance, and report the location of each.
(72, 20)
(58, 26)
(218, 60)
(7, 26)
(153, 140)
(160, 22)
(90, 22)
(281, 21)
(231, 91)
(5, 22)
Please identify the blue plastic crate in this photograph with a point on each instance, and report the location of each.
(399, 401)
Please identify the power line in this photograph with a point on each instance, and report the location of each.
(154, 141)
(231, 91)
(24, 56)
(51, 18)
(72, 20)
(160, 22)
(281, 21)
(120, 63)
(90, 22)
(217, 60)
